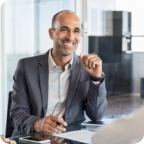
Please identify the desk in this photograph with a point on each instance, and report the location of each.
(57, 140)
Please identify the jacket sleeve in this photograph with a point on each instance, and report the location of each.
(20, 111)
(96, 101)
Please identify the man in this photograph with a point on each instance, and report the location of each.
(122, 131)
(55, 88)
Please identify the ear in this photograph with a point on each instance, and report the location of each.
(50, 31)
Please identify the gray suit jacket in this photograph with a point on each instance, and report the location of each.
(30, 94)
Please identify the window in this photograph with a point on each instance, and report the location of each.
(24, 33)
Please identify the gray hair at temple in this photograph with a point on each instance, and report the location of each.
(55, 16)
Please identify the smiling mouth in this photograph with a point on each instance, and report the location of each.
(68, 44)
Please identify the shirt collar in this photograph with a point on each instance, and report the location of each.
(51, 61)
(52, 64)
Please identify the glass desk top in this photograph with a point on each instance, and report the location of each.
(55, 139)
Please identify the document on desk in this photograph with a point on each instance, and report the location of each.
(84, 136)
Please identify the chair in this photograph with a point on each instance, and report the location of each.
(9, 127)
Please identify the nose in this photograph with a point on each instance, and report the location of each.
(70, 35)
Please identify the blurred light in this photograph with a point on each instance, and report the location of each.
(44, 5)
(2, 1)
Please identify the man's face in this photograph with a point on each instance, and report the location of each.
(66, 33)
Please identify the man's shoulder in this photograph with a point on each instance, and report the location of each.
(31, 58)
(35, 59)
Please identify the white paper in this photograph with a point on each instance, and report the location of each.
(84, 136)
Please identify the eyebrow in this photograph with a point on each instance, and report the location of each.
(68, 27)
(78, 29)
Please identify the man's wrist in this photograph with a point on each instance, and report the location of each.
(38, 125)
(97, 79)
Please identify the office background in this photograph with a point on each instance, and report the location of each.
(113, 29)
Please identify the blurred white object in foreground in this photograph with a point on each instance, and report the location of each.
(142, 141)
(122, 131)
(1, 141)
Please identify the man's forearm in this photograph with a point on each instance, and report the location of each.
(96, 101)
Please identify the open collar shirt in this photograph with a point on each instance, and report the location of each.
(58, 85)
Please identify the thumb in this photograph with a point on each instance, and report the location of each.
(81, 56)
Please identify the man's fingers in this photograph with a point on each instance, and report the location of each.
(91, 60)
(60, 123)
(50, 124)
(50, 121)
(92, 64)
(48, 127)
(61, 128)
(81, 56)
(86, 58)
(59, 120)
(54, 124)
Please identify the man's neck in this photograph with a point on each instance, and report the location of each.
(61, 60)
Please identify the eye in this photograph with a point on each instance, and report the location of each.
(77, 30)
(63, 29)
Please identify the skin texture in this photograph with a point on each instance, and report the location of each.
(7, 141)
(66, 35)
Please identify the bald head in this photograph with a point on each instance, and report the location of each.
(65, 33)
(57, 15)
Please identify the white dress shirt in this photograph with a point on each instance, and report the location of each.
(58, 85)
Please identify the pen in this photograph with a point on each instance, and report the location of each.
(59, 124)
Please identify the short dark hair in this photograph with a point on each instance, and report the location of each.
(55, 16)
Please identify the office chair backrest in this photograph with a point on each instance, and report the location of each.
(9, 127)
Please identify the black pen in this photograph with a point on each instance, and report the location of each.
(59, 124)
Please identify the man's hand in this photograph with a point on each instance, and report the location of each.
(92, 64)
(49, 125)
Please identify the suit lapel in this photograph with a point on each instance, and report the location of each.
(76, 68)
(43, 79)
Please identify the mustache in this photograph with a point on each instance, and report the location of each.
(68, 40)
